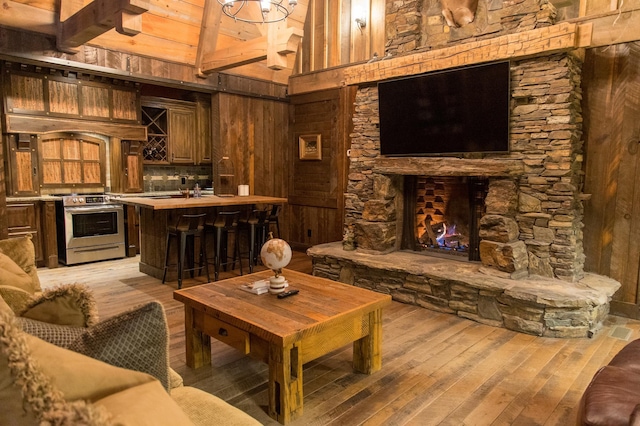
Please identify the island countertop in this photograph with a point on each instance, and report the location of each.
(166, 202)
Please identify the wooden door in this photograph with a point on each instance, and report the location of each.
(23, 167)
(611, 81)
(317, 185)
(182, 135)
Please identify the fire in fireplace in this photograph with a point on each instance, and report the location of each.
(442, 215)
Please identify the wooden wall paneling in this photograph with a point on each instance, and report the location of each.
(253, 132)
(319, 49)
(360, 37)
(378, 27)
(602, 161)
(626, 243)
(345, 32)
(612, 215)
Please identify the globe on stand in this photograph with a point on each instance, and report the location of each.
(276, 255)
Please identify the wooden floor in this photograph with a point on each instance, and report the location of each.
(437, 368)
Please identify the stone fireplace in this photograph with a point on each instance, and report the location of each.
(529, 273)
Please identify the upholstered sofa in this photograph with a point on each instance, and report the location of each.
(59, 365)
(613, 396)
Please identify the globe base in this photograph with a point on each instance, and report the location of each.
(277, 284)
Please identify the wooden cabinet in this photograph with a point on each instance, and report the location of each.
(22, 165)
(178, 132)
(38, 219)
(204, 143)
(132, 162)
(71, 161)
(182, 134)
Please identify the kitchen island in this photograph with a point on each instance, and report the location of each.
(157, 212)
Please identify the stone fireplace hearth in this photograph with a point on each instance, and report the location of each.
(530, 276)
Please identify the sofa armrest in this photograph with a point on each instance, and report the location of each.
(205, 409)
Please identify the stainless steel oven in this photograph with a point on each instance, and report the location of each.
(90, 228)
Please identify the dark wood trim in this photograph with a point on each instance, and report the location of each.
(36, 125)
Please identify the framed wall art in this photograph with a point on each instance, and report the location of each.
(310, 147)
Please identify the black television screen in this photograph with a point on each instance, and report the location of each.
(465, 110)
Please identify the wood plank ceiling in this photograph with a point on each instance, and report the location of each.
(189, 32)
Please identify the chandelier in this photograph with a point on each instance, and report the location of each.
(232, 9)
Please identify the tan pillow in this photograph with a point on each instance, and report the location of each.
(28, 393)
(71, 304)
(5, 308)
(23, 253)
(12, 275)
(15, 297)
(137, 339)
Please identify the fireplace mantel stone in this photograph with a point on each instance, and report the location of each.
(535, 305)
(449, 166)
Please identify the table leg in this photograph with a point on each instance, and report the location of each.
(198, 344)
(285, 382)
(367, 351)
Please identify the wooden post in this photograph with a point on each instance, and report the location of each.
(367, 352)
(198, 344)
(285, 382)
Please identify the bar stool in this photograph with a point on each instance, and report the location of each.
(273, 218)
(256, 225)
(225, 223)
(188, 227)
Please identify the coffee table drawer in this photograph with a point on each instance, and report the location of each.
(228, 334)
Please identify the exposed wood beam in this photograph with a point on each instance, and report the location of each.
(99, 17)
(251, 51)
(209, 30)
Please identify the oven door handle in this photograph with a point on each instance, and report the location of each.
(101, 209)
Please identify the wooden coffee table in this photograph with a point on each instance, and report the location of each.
(285, 333)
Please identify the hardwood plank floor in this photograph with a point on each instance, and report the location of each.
(438, 369)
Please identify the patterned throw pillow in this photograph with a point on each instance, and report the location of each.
(137, 339)
(59, 335)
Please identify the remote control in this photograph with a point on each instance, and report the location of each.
(287, 293)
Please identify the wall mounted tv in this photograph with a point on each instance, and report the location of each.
(464, 110)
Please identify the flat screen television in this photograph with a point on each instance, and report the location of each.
(464, 110)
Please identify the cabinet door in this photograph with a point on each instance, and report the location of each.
(132, 162)
(182, 135)
(24, 218)
(23, 171)
(204, 133)
(71, 161)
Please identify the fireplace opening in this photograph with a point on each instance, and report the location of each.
(442, 214)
